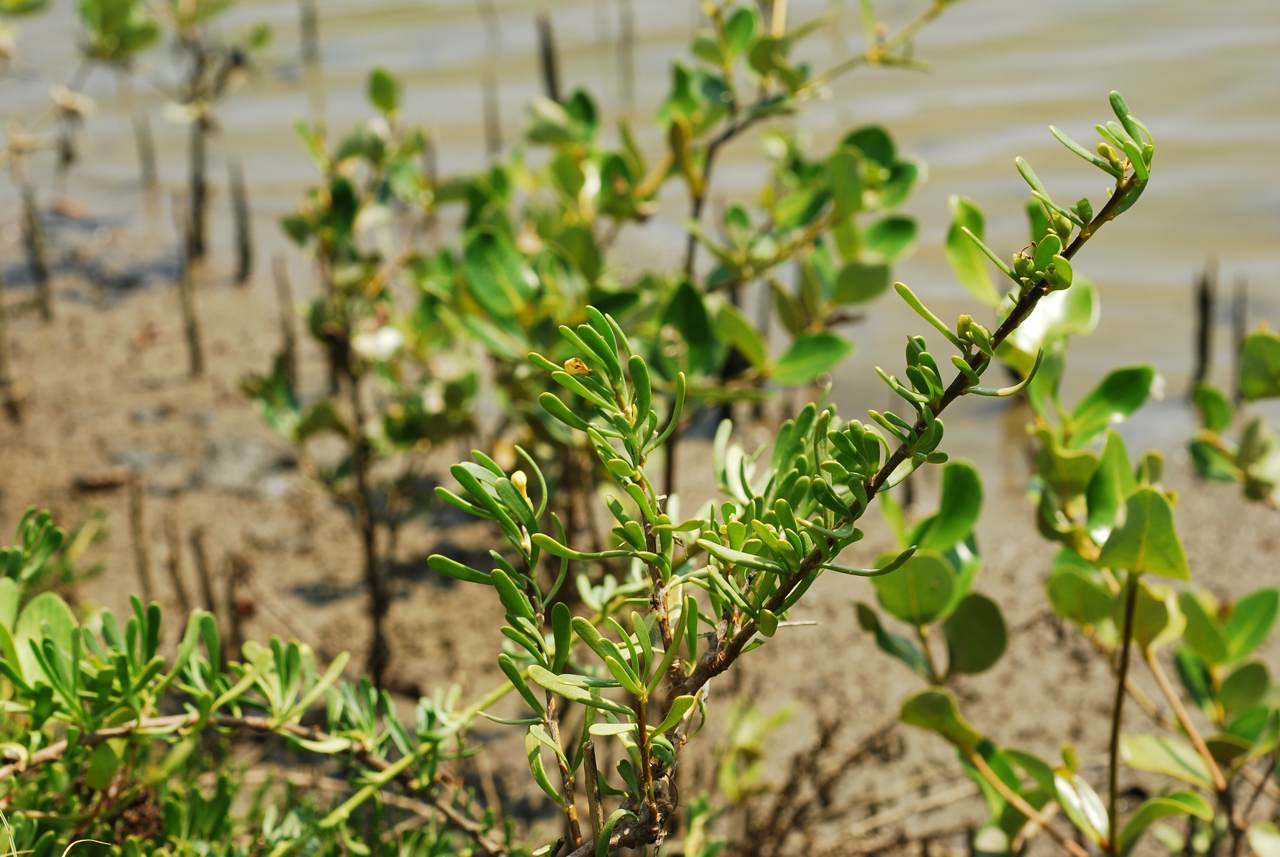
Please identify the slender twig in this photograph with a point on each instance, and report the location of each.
(33, 236)
(363, 501)
(288, 321)
(1016, 801)
(1146, 703)
(9, 399)
(200, 558)
(173, 563)
(1117, 714)
(1240, 822)
(1184, 719)
(241, 218)
(594, 800)
(567, 779)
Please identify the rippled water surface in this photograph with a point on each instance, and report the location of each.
(1204, 76)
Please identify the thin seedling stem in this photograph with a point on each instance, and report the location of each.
(1117, 714)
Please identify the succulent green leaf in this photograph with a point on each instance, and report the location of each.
(679, 708)
(533, 751)
(452, 568)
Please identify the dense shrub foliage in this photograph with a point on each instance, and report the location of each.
(621, 609)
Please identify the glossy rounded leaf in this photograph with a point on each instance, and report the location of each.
(894, 645)
(1260, 365)
(890, 237)
(859, 282)
(1264, 839)
(1081, 804)
(46, 610)
(1110, 485)
(384, 92)
(874, 143)
(1078, 598)
(976, 635)
(1213, 406)
(1167, 755)
(919, 591)
(734, 327)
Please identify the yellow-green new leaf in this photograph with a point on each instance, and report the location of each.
(936, 711)
(1146, 542)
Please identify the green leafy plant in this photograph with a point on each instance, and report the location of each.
(1115, 523)
(734, 571)
(533, 255)
(536, 245)
(107, 736)
(1252, 458)
(386, 400)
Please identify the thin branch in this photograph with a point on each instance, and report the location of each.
(1184, 719)
(1016, 801)
(1117, 714)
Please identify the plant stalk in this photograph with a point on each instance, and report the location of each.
(1016, 801)
(1184, 719)
(1117, 714)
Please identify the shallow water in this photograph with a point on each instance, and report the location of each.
(1204, 76)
